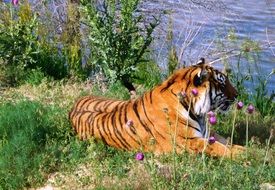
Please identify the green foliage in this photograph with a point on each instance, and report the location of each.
(71, 39)
(246, 68)
(148, 75)
(259, 126)
(18, 41)
(172, 61)
(264, 102)
(117, 39)
(35, 77)
(22, 48)
(111, 91)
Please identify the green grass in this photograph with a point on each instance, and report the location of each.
(33, 138)
(38, 147)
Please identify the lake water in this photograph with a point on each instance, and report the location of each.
(201, 29)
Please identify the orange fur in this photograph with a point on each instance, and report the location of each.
(161, 115)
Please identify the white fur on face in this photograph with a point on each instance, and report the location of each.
(202, 103)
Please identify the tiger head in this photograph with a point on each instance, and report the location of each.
(201, 87)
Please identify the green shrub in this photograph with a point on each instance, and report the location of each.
(22, 47)
(18, 41)
(118, 38)
(148, 74)
(35, 77)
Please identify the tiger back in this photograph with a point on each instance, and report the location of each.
(169, 111)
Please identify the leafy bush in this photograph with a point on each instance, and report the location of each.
(18, 41)
(118, 38)
(148, 74)
(21, 46)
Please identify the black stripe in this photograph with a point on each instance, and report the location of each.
(188, 138)
(174, 93)
(189, 77)
(145, 113)
(95, 105)
(110, 103)
(76, 107)
(122, 125)
(106, 102)
(191, 114)
(109, 131)
(137, 114)
(190, 126)
(169, 83)
(99, 131)
(132, 129)
(82, 104)
(93, 123)
(102, 124)
(151, 99)
(184, 75)
(88, 122)
(78, 116)
(117, 132)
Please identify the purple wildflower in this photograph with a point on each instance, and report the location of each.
(129, 123)
(14, 2)
(183, 94)
(211, 140)
(213, 120)
(240, 105)
(195, 91)
(139, 156)
(211, 114)
(250, 109)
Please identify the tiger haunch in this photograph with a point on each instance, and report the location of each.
(160, 114)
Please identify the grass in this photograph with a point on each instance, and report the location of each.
(38, 147)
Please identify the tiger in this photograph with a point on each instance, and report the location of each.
(170, 117)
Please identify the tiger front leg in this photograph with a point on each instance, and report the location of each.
(216, 149)
(236, 149)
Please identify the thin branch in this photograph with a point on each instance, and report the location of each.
(269, 42)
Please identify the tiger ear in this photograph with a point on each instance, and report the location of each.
(200, 77)
(201, 61)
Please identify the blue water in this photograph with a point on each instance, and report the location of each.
(200, 29)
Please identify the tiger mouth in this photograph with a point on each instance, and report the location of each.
(226, 105)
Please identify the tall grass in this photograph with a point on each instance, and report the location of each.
(33, 138)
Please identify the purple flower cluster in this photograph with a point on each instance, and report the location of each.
(211, 140)
(250, 108)
(240, 105)
(15, 2)
(129, 123)
(195, 91)
(212, 118)
(139, 156)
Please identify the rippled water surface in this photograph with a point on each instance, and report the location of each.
(201, 27)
